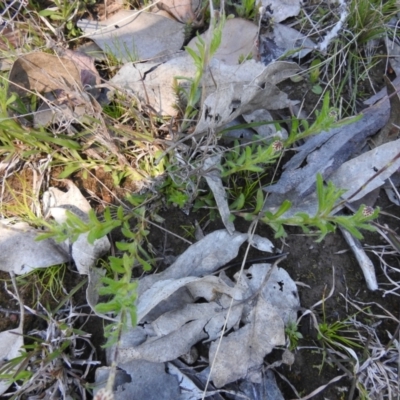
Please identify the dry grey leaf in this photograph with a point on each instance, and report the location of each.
(140, 379)
(281, 40)
(57, 202)
(243, 351)
(159, 292)
(237, 97)
(238, 42)
(280, 10)
(201, 258)
(392, 128)
(214, 181)
(261, 243)
(166, 348)
(11, 343)
(326, 152)
(268, 130)
(230, 90)
(363, 260)
(355, 173)
(130, 35)
(21, 253)
(279, 289)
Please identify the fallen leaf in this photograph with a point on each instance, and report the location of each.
(238, 42)
(212, 175)
(268, 130)
(11, 343)
(245, 94)
(244, 350)
(230, 90)
(84, 254)
(355, 174)
(201, 258)
(282, 39)
(42, 73)
(183, 10)
(140, 379)
(130, 35)
(21, 253)
(280, 10)
(326, 152)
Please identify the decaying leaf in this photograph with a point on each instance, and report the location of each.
(326, 152)
(392, 128)
(238, 42)
(212, 175)
(11, 343)
(131, 35)
(282, 39)
(21, 253)
(276, 287)
(256, 309)
(84, 254)
(355, 174)
(244, 350)
(280, 10)
(267, 130)
(236, 97)
(201, 258)
(183, 10)
(140, 380)
(42, 73)
(230, 90)
(60, 82)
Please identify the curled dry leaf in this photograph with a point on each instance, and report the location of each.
(201, 258)
(260, 304)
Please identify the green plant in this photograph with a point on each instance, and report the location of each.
(348, 52)
(246, 8)
(201, 58)
(63, 13)
(367, 19)
(120, 288)
(323, 222)
(41, 281)
(251, 158)
(293, 334)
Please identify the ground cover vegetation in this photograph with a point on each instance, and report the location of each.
(145, 177)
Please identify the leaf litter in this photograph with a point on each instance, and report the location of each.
(253, 311)
(187, 304)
